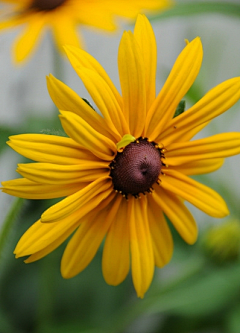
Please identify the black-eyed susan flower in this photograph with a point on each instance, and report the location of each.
(64, 16)
(124, 170)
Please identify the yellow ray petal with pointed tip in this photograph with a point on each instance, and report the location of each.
(47, 173)
(50, 149)
(216, 146)
(51, 247)
(199, 167)
(87, 137)
(178, 214)
(201, 196)
(104, 100)
(180, 79)
(145, 37)
(28, 41)
(161, 236)
(214, 103)
(83, 246)
(67, 100)
(132, 79)
(27, 189)
(91, 194)
(142, 255)
(80, 58)
(116, 256)
(41, 237)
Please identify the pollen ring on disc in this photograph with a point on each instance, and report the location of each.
(136, 167)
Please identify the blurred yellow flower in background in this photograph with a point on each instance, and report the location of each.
(121, 171)
(63, 18)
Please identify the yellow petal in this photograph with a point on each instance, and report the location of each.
(145, 38)
(216, 146)
(132, 79)
(50, 149)
(116, 256)
(66, 99)
(11, 21)
(105, 100)
(161, 236)
(80, 58)
(84, 244)
(51, 247)
(27, 189)
(142, 255)
(180, 79)
(42, 237)
(201, 196)
(102, 14)
(97, 15)
(214, 103)
(191, 133)
(47, 173)
(30, 38)
(199, 167)
(87, 137)
(87, 198)
(177, 213)
(65, 32)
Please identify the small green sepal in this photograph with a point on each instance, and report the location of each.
(88, 103)
(180, 108)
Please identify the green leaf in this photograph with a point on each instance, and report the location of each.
(180, 109)
(234, 320)
(157, 292)
(206, 294)
(199, 7)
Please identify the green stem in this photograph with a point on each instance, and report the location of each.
(47, 293)
(58, 64)
(9, 223)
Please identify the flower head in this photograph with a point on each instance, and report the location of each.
(63, 17)
(124, 170)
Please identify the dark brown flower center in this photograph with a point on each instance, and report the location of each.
(136, 168)
(46, 4)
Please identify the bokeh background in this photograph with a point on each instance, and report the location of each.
(199, 291)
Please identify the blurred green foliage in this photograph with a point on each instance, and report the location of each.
(199, 296)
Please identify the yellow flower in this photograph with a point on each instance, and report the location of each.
(63, 17)
(121, 171)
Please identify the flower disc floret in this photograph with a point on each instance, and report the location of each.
(136, 168)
